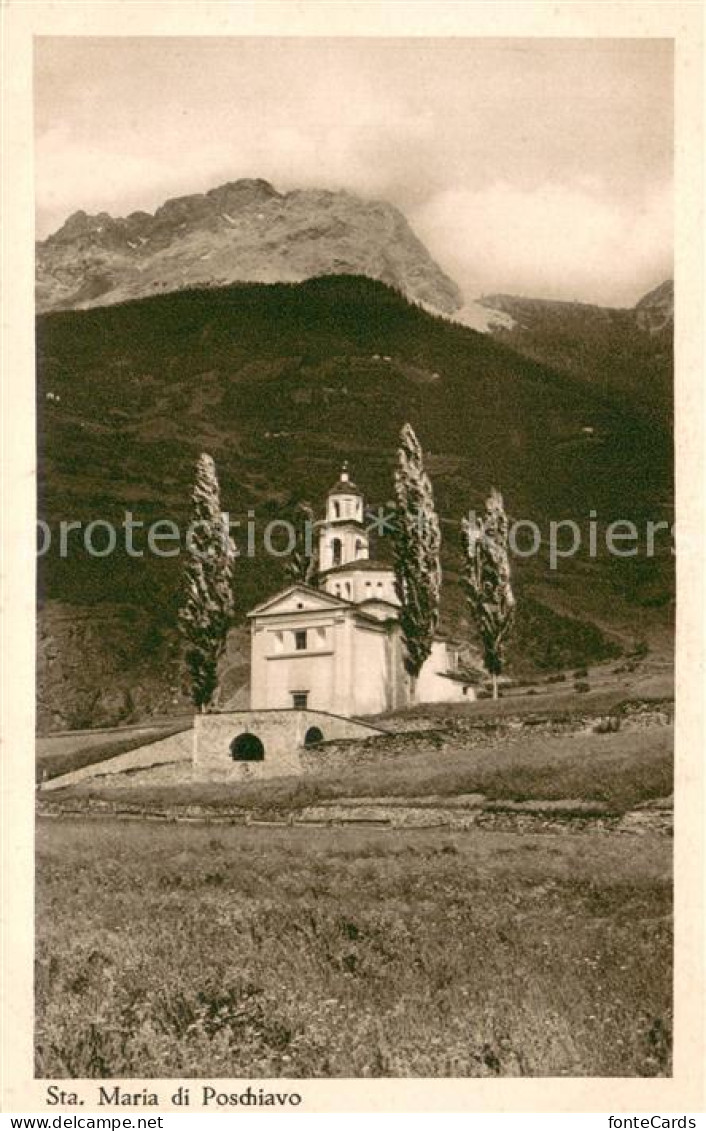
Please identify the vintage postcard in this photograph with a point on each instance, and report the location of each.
(353, 532)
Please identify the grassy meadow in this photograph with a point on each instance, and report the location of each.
(169, 950)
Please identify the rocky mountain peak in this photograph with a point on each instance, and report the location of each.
(241, 231)
(239, 194)
(655, 311)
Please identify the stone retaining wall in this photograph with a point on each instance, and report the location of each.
(282, 734)
(166, 751)
(468, 733)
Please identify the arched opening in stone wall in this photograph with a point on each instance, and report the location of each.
(247, 748)
(312, 736)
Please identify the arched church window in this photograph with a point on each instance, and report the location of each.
(358, 547)
(337, 551)
(337, 510)
(314, 734)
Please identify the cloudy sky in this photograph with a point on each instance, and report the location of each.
(539, 167)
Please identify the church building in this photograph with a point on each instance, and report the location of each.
(339, 647)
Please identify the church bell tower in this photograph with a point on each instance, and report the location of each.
(343, 539)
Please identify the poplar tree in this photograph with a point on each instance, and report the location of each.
(486, 581)
(416, 547)
(303, 564)
(207, 607)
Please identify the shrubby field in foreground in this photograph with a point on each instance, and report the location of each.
(169, 950)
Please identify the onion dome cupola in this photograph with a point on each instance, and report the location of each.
(344, 501)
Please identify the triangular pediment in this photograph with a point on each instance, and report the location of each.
(298, 599)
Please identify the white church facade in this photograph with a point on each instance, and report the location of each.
(338, 647)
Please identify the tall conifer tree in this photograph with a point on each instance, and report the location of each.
(487, 582)
(303, 564)
(416, 550)
(207, 608)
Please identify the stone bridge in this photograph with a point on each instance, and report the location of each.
(267, 743)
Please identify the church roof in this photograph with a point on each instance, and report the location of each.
(324, 598)
(380, 601)
(361, 564)
(327, 600)
(345, 486)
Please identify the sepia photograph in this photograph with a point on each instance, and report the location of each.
(355, 675)
(356, 571)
